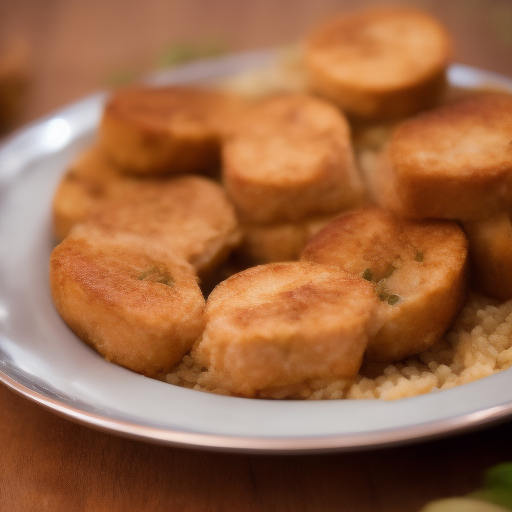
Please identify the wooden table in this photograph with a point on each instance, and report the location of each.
(49, 463)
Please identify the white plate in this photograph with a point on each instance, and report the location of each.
(41, 359)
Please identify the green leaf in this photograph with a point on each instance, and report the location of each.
(500, 476)
(497, 485)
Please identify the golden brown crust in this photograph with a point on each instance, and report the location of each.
(171, 130)
(269, 243)
(418, 269)
(490, 247)
(454, 162)
(90, 180)
(284, 323)
(188, 215)
(290, 159)
(142, 309)
(382, 183)
(381, 63)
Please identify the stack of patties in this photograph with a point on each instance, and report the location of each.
(289, 168)
(138, 232)
(378, 66)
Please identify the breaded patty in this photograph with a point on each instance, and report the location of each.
(284, 323)
(90, 180)
(490, 247)
(188, 215)
(418, 270)
(291, 158)
(454, 162)
(381, 63)
(139, 308)
(170, 130)
(269, 243)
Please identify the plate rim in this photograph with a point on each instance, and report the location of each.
(277, 445)
(290, 444)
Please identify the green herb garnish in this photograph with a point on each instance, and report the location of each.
(155, 275)
(367, 274)
(393, 299)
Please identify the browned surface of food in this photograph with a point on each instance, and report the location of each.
(168, 130)
(281, 324)
(286, 159)
(490, 242)
(289, 159)
(289, 168)
(189, 216)
(140, 308)
(418, 269)
(268, 243)
(381, 63)
(91, 180)
(453, 162)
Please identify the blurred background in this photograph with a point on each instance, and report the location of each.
(52, 52)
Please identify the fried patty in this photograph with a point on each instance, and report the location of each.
(138, 307)
(289, 159)
(168, 130)
(418, 269)
(284, 323)
(188, 215)
(490, 243)
(90, 180)
(453, 162)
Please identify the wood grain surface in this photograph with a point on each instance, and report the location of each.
(51, 464)
(48, 463)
